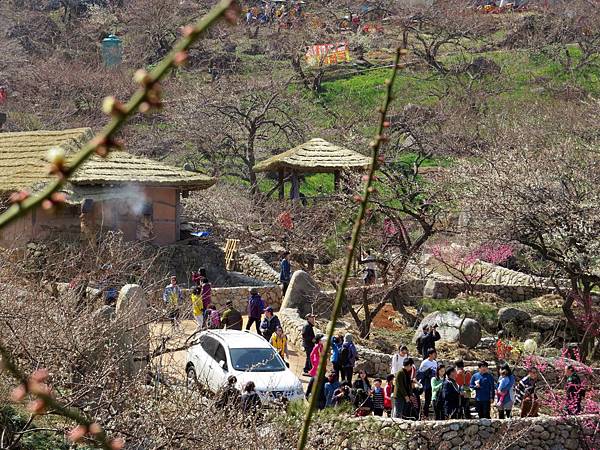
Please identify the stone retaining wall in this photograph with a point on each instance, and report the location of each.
(256, 267)
(373, 362)
(239, 295)
(511, 293)
(555, 433)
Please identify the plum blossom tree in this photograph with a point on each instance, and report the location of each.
(472, 265)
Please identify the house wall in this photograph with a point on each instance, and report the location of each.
(124, 215)
(40, 224)
(118, 214)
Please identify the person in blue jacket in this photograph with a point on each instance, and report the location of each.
(484, 385)
(331, 386)
(336, 343)
(505, 394)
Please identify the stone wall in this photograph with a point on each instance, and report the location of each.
(373, 362)
(239, 295)
(515, 434)
(256, 267)
(511, 293)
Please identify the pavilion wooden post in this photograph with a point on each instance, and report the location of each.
(281, 184)
(336, 181)
(295, 191)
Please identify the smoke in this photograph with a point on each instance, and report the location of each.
(134, 197)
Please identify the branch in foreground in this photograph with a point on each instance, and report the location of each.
(375, 145)
(45, 402)
(146, 97)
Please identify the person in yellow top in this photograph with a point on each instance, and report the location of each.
(197, 306)
(279, 342)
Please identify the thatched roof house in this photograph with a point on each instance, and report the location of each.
(314, 156)
(121, 191)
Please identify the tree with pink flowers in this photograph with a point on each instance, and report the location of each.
(468, 264)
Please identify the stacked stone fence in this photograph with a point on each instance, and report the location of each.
(256, 267)
(510, 293)
(271, 295)
(556, 433)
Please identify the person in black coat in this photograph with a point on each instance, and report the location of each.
(427, 340)
(451, 394)
(308, 341)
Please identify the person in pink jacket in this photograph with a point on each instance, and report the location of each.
(315, 357)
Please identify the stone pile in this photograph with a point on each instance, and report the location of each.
(256, 267)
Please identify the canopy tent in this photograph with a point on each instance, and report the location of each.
(314, 156)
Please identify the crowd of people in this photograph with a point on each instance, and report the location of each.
(274, 11)
(429, 390)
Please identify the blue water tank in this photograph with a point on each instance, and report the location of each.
(112, 51)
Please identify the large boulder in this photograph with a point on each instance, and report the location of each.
(545, 323)
(451, 330)
(514, 316)
(131, 311)
(301, 293)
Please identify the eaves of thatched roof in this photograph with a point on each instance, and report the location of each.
(23, 164)
(316, 155)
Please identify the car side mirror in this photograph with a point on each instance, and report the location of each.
(223, 365)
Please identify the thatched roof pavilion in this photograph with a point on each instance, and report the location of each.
(314, 156)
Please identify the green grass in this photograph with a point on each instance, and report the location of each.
(471, 307)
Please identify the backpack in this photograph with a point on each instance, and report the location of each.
(420, 345)
(344, 356)
(424, 377)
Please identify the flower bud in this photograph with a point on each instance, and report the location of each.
(56, 156)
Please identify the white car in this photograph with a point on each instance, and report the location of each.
(249, 357)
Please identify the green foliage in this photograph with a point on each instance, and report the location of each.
(12, 421)
(471, 306)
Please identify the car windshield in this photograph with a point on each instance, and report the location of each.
(256, 360)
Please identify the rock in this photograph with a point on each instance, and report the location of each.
(485, 422)
(455, 427)
(435, 289)
(131, 310)
(487, 342)
(302, 292)
(450, 435)
(571, 444)
(449, 324)
(545, 323)
(513, 315)
(484, 434)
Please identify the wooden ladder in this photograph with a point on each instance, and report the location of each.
(231, 248)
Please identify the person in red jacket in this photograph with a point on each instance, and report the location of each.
(388, 392)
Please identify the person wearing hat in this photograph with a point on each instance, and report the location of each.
(308, 341)
(269, 323)
(232, 318)
(255, 309)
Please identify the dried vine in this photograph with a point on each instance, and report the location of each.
(376, 144)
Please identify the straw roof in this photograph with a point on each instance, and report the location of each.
(316, 155)
(23, 164)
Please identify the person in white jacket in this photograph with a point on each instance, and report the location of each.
(398, 359)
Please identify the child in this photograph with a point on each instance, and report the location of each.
(213, 318)
(437, 383)
(378, 398)
(362, 403)
(197, 306)
(388, 392)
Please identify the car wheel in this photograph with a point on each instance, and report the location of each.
(191, 380)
